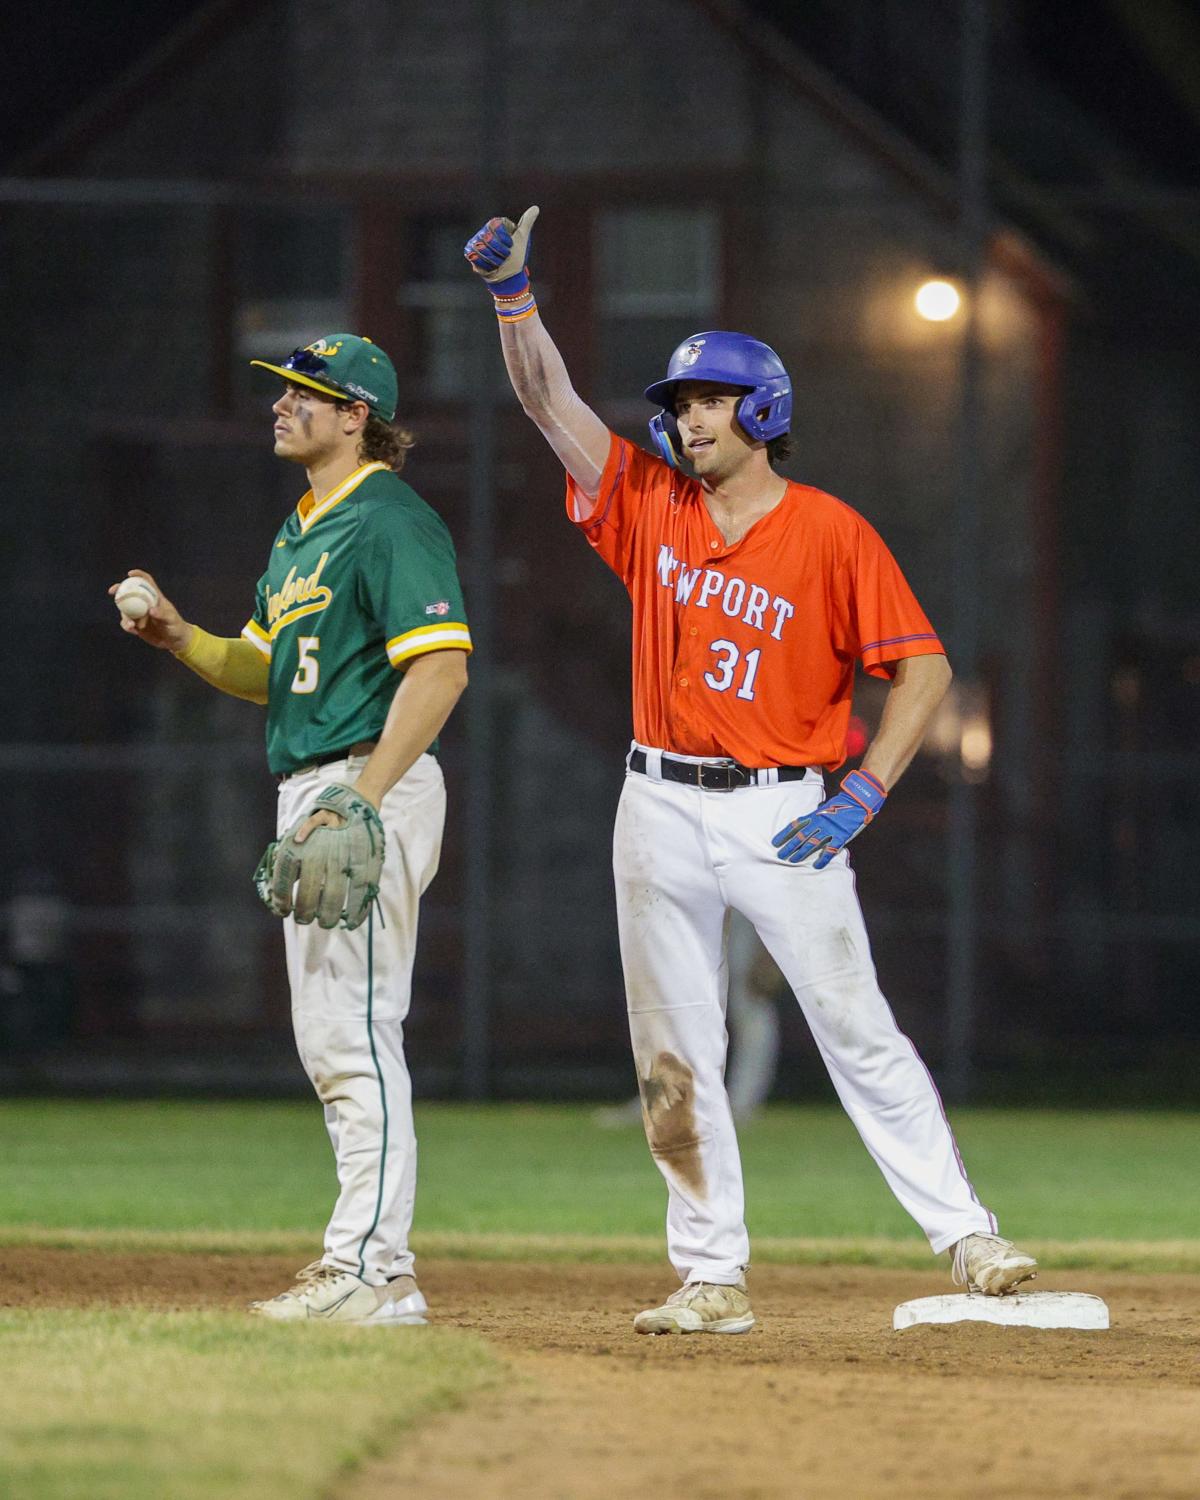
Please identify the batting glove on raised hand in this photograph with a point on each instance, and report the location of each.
(829, 828)
(335, 870)
(498, 252)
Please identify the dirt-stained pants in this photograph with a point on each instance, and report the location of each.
(682, 858)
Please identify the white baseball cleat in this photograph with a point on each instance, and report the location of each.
(986, 1263)
(408, 1304)
(339, 1296)
(700, 1307)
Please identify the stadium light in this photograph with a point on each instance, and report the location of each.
(937, 301)
(975, 746)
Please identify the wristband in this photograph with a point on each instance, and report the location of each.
(514, 308)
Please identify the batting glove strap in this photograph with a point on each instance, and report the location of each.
(867, 790)
(830, 828)
(511, 288)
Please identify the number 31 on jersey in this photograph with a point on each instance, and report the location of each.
(726, 666)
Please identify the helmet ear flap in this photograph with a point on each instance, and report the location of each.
(766, 412)
(664, 429)
(747, 414)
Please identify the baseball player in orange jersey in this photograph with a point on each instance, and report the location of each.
(752, 600)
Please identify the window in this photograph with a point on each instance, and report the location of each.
(657, 277)
(447, 310)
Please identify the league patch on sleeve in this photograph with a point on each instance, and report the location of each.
(442, 607)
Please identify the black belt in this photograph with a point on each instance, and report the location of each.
(360, 747)
(713, 778)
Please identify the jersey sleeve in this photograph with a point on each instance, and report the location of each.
(257, 629)
(408, 583)
(887, 622)
(631, 477)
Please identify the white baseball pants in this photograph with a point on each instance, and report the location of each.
(350, 998)
(682, 858)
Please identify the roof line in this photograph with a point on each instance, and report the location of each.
(171, 56)
(778, 52)
(773, 51)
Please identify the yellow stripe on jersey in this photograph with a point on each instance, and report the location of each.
(310, 511)
(449, 633)
(257, 636)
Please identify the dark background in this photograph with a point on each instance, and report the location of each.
(204, 167)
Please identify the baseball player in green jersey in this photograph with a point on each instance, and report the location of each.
(357, 646)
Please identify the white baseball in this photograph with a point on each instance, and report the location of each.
(135, 598)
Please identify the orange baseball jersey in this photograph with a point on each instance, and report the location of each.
(747, 651)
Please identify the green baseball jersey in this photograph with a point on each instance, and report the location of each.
(358, 585)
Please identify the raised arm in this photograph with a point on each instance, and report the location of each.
(539, 377)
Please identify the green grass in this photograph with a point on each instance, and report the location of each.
(135, 1405)
(1050, 1175)
(128, 1404)
(266, 1170)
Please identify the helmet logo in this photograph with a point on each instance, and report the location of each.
(692, 353)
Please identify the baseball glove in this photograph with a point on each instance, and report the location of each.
(335, 870)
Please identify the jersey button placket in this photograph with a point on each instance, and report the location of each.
(683, 671)
(685, 659)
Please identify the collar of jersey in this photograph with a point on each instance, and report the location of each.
(308, 512)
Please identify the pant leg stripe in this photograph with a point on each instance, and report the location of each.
(382, 1093)
(962, 1166)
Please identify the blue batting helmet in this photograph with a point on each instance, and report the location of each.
(763, 413)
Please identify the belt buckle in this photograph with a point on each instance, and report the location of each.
(724, 778)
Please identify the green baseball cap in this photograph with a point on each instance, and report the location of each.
(346, 366)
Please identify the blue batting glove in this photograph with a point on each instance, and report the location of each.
(827, 830)
(499, 252)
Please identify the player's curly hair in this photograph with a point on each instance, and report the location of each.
(385, 443)
(779, 450)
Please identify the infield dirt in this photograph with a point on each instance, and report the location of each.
(822, 1402)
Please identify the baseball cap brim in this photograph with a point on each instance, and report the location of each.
(294, 377)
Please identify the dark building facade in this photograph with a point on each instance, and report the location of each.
(281, 169)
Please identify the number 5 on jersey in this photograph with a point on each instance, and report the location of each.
(727, 660)
(309, 668)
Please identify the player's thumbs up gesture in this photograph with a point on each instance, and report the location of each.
(499, 250)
